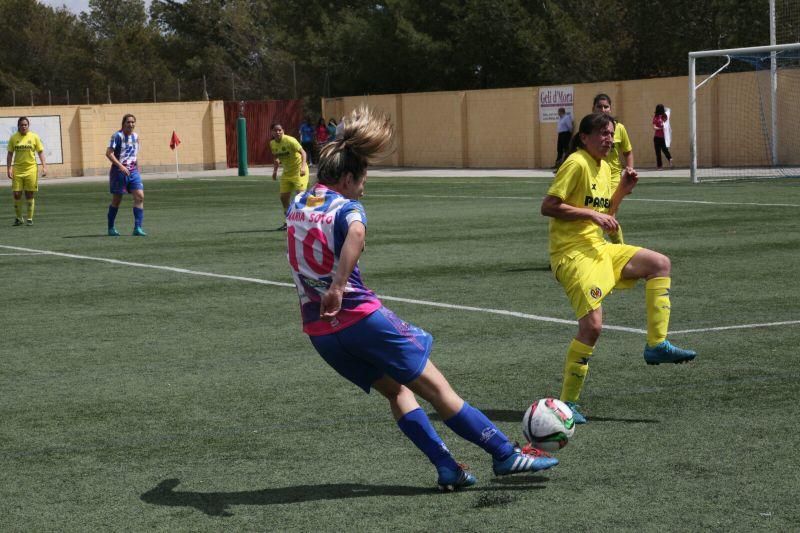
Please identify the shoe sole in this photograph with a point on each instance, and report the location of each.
(676, 362)
(452, 488)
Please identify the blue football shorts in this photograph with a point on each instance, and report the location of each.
(381, 344)
(119, 183)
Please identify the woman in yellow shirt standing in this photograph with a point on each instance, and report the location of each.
(22, 149)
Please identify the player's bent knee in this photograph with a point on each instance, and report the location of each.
(662, 265)
(389, 388)
(589, 328)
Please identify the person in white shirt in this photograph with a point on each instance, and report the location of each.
(564, 136)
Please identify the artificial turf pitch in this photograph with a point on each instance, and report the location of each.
(142, 398)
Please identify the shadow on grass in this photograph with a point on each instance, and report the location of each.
(92, 236)
(624, 420)
(495, 415)
(217, 503)
(515, 415)
(545, 268)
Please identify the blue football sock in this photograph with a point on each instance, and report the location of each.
(471, 424)
(417, 427)
(112, 215)
(138, 216)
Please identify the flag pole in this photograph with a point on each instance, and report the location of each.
(174, 142)
(177, 172)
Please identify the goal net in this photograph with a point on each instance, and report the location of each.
(744, 108)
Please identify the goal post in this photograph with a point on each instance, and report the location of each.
(751, 106)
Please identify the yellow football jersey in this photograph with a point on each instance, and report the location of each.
(288, 151)
(25, 148)
(580, 182)
(622, 144)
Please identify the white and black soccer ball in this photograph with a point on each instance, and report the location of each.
(548, 424)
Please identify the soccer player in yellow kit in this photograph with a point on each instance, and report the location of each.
(22, 149)
(589, 267)
(620, 150)
(288, 152)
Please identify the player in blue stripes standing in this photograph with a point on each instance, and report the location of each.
(351, 329)
(123, 151)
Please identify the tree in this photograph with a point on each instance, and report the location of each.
(127, 51)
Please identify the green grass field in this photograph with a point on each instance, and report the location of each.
(138, 398)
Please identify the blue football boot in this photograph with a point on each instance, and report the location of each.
(577, 416)
(667, 353)
(112, 232)
(139, 232)
(519, 462)
(451, 480)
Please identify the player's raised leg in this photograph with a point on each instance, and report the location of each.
(472, 425)
(656, 269)
(416, 425)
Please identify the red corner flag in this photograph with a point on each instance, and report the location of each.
(174, 141)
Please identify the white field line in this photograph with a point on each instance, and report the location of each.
(154, 267)
(501, 312)
(24, 253)
(741, 326)
(530, 198)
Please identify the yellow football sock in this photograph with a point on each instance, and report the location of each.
(18, 208)
(656, 292)
(31, 207)
(575, 369)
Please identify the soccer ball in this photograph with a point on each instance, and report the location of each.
(548, 424)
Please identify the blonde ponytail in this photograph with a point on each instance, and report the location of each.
(368, 135)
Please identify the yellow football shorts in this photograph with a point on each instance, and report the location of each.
(294, 183)
(588, 276)
(25, 181)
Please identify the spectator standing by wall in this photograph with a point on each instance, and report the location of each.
(660, 127)
(307, 134)
(321, 132)
(564, 136)
(332, 129)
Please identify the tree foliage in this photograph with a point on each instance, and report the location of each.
(254, 49)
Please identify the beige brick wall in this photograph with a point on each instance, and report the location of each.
(500, 127)
(86, 130)
(501, 131)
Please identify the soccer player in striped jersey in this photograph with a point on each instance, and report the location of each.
(124, 177)
(362, 340)
(579, 202)
(621, 150)
(22, 149)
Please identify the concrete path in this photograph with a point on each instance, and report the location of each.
(266, 172)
